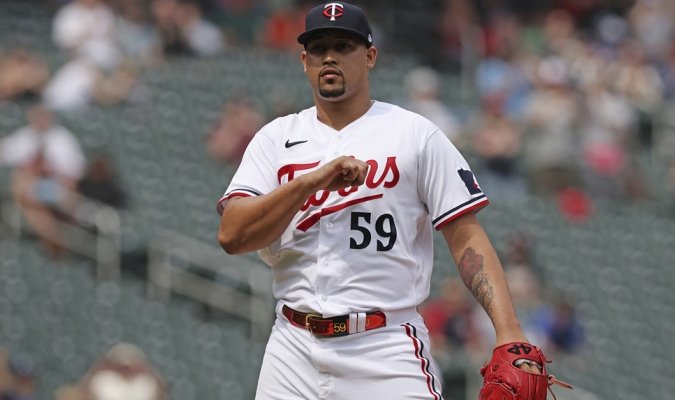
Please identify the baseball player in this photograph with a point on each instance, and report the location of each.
(340, 200)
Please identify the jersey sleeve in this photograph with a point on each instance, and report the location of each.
(445, 182)
(256, 174)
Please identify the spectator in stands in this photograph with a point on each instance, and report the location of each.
(280, 28)
(48, 161)
(452, 332)
(172, 42)
(138, 39)
(551, 118)
(204, 38)
(184, 30)
(519, 250)
(653, 21)
(606, 133)
(118, 85)
(448, 317)
(240, 119)
(86, 27)
(497, 141)
(72, 86)
(241, 20)
(97, 71)
(124, 373)
(503, 86)
(86, 80)
(460, 33)
(423, 86)
(559, 31)
(559, 324)
(634, 78)
(23, 74)
(101, 184)
(526, 292)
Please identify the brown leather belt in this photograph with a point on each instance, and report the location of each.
(334, 326)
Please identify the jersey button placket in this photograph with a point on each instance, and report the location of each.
(335, 145)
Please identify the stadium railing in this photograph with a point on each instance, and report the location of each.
(233, 284)
(94, 232)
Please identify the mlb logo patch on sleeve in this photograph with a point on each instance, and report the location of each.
(469, 181)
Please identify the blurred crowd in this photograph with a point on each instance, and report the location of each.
(123, 372)
(565, 95)
(462, 335)
(565, 92)
(52, 180)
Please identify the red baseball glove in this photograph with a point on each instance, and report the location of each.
(504, 380)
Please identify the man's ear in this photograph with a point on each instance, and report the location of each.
(371, 57)
(303, 59)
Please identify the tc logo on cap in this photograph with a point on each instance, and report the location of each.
(333, 10)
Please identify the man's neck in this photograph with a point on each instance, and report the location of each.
(339, 114)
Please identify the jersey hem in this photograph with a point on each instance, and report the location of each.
(474, 205)
(235, 193)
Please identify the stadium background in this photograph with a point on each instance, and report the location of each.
(57, 317)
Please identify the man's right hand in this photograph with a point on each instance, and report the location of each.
(340, 173)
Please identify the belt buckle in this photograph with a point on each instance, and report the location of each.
(307, 317)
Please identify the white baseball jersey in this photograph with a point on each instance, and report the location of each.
(367, 247)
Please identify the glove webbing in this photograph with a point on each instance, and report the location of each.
(551, 378)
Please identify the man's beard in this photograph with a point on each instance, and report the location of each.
(332, 93)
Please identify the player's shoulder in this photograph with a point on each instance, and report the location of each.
(411, 121)
(278, 127)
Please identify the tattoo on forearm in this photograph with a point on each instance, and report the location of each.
(471, 271)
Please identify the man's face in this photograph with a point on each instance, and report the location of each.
(337, 64)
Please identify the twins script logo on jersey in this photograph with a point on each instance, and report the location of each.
(388, 177)
(333, 10)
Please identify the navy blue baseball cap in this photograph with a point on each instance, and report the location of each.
(341, 16)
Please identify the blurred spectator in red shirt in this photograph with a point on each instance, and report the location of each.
(239, 121)
(280, 29)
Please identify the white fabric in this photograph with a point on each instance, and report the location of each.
(109, 385)
(62, 151)
(71, 87)
(413, 180)
(353, 318)
(204, 38)
(361, 322)
(386, 363)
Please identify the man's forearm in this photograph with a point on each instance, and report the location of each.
(482, 273)
(251, 223)
(483, 276)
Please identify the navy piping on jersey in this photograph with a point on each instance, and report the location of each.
(475, 199)
(242, 190)
(411, 331)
